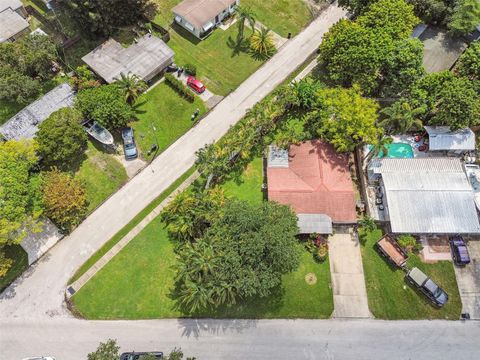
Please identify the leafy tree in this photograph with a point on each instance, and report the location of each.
(64, 198)
(305, 92)
(469, 63)
(84, 78)
(402, 67)
(465, 18)
(132, 86)
(394, 18)
(400, 118)
(5, 263)
(106, 105)
(103, 17)
(244, 14)
(61, 138)
(243, 254)
(105, 351)
(433, 11)
(344, 118)
(34, 55)
(191, 213)
(19, 191)
(356, 7)
(16, 87)
(261, 43)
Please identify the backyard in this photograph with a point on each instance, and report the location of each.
(144, 289)
(163, 116)
(390, 296)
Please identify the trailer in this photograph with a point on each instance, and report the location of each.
(390, 250)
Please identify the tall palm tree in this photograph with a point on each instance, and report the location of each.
(381, 147)
(132, 86)
(261, 43)
(401, 118)
(244, 14)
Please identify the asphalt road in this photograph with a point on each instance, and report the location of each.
(40, 292)
(248, 339)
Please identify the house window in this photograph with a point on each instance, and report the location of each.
(178, 19)
(189, 26)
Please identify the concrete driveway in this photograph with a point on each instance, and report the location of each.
(349, 291)
(468, 280)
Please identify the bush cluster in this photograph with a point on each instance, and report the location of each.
(190, 69)
(179, 87)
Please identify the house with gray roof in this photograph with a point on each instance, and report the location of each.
(13, 23)
(200, 17)
(426, 195)
(24, 125)
(441, 138)
(146, 58)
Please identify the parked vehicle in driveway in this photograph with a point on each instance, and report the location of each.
(129, 147)
(195, 84)
(459, 251)
(137, 355)
(426, 285)
(389, 248)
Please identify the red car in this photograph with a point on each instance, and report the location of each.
(195, 84)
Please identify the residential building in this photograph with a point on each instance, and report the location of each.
(442, 139)
(425, 195)
(200, 17)
(24, 124)
(13, 23)
(315, 181)
(146, 58)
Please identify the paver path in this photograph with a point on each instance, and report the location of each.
(349, 291)
(40, 292)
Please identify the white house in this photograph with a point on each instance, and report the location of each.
(200, 17)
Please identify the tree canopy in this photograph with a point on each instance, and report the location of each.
(366, 51)
(19, 190)
(243, 254)
(103, 17)
(105, 351)
(465, 17)
(468, 64)
(61, 139)
(106, 105)
(344, 118)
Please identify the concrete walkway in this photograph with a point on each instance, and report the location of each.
(349, 291)
(39, 293)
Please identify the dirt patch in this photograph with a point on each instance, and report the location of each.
(311, 279)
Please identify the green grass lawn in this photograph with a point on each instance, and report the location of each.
(101, 174)
(138, 282)
(389, 295)
(282, 16)
(20, 263)
(249, 185)
(217, 66)
(168, 112)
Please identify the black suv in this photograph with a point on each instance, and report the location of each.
(138, 355)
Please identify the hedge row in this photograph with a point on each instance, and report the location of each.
(179, 87)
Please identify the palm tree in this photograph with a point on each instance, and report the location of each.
(132, 86)
(261, 43)
(401, 118)
(380, 147)
(244, 14)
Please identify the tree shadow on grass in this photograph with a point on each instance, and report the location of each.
(237, 46)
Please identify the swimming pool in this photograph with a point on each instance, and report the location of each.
(398, 151)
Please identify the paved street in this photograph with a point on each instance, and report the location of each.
(40, 292)
(69, 339)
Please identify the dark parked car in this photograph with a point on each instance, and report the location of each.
(129, 147)
(426, 285)
(459, 251)
(195, 84)
(137, 355)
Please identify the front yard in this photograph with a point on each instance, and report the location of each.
(390, 296)
(163, 116)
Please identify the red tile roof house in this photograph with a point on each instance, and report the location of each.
(315, 181)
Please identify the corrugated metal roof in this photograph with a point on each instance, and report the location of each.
(441, 138)
(314, 223)
(11, 23)
(431, 164)
(426, 181)
(24, 124)
(447, 212)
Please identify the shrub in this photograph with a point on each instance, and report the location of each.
(179, 87)
(84, 79)
(409, 243)
(190, 69)
(60, 138)
(64, 198)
